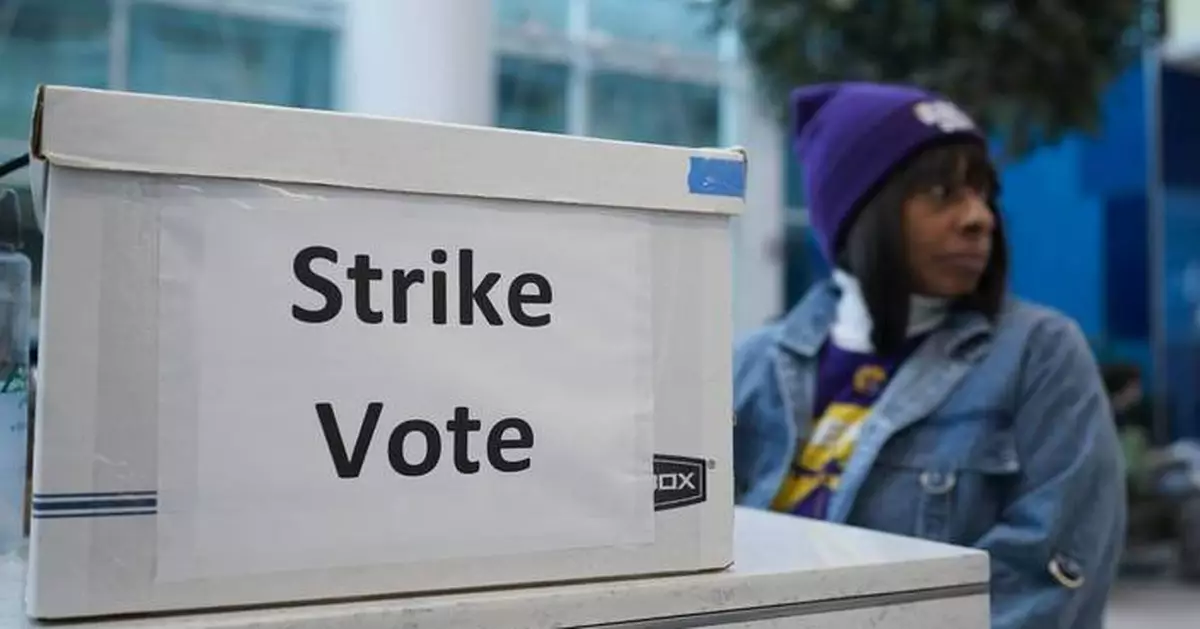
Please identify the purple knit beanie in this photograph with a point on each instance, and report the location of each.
(849, 136)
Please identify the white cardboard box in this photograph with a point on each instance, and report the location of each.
(291, 355)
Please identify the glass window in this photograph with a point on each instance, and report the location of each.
(550, 14)
(641, 109)
(1180, 309)
(1180, 257)
(61, 42)
(532, 95)
(18, 226)
(679, 23)
(209, 55)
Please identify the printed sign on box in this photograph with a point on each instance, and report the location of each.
(383, 380)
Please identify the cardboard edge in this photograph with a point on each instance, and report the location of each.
(35, 134)
(38, 173)
(714, 183)
(185, 613)
(739, 150)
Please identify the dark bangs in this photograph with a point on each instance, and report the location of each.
(955, 166)
(874, 251)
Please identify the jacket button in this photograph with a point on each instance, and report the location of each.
(937, 482)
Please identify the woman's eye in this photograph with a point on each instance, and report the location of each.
(938, 193)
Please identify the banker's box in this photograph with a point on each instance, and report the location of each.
(291, 356)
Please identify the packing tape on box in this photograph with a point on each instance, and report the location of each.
(718, 176)
(178, 392)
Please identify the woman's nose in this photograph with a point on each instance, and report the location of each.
(976, 215)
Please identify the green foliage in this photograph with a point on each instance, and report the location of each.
(1030, 69)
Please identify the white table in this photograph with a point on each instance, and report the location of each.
(790, 572)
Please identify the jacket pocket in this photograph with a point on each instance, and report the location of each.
(956, 484)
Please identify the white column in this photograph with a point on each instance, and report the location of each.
(758, 266)
(419, 59)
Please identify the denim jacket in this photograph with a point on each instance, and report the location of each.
(995, 436)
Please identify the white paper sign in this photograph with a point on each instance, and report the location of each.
(364, 378)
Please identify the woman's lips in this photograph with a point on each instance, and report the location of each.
(968, 262)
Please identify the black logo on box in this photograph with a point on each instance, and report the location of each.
(679, 481)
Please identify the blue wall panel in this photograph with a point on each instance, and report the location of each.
(1180, 255)
(1055, 231)
(1126, 263)
(1181, 252)
(1181, 128)
(1114, 159)
(1078, 224)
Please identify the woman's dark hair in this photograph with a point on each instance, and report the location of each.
(874, 251)
(1117, 376)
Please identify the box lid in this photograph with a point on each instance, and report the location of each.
(120, 131)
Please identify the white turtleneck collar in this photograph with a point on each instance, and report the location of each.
(851, 329)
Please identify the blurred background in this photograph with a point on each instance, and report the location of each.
(1104, 219)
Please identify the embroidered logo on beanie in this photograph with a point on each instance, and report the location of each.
(944, 115)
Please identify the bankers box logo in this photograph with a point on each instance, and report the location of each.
(679, 481)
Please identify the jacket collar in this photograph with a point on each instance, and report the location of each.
(806, 326)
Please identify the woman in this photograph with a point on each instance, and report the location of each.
(911, 394)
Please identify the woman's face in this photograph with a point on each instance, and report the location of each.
(949, 237)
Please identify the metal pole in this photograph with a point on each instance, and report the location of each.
(579, 81)
(1152, 68)
(118, 44)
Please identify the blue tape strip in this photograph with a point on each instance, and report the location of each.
(717, 177)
